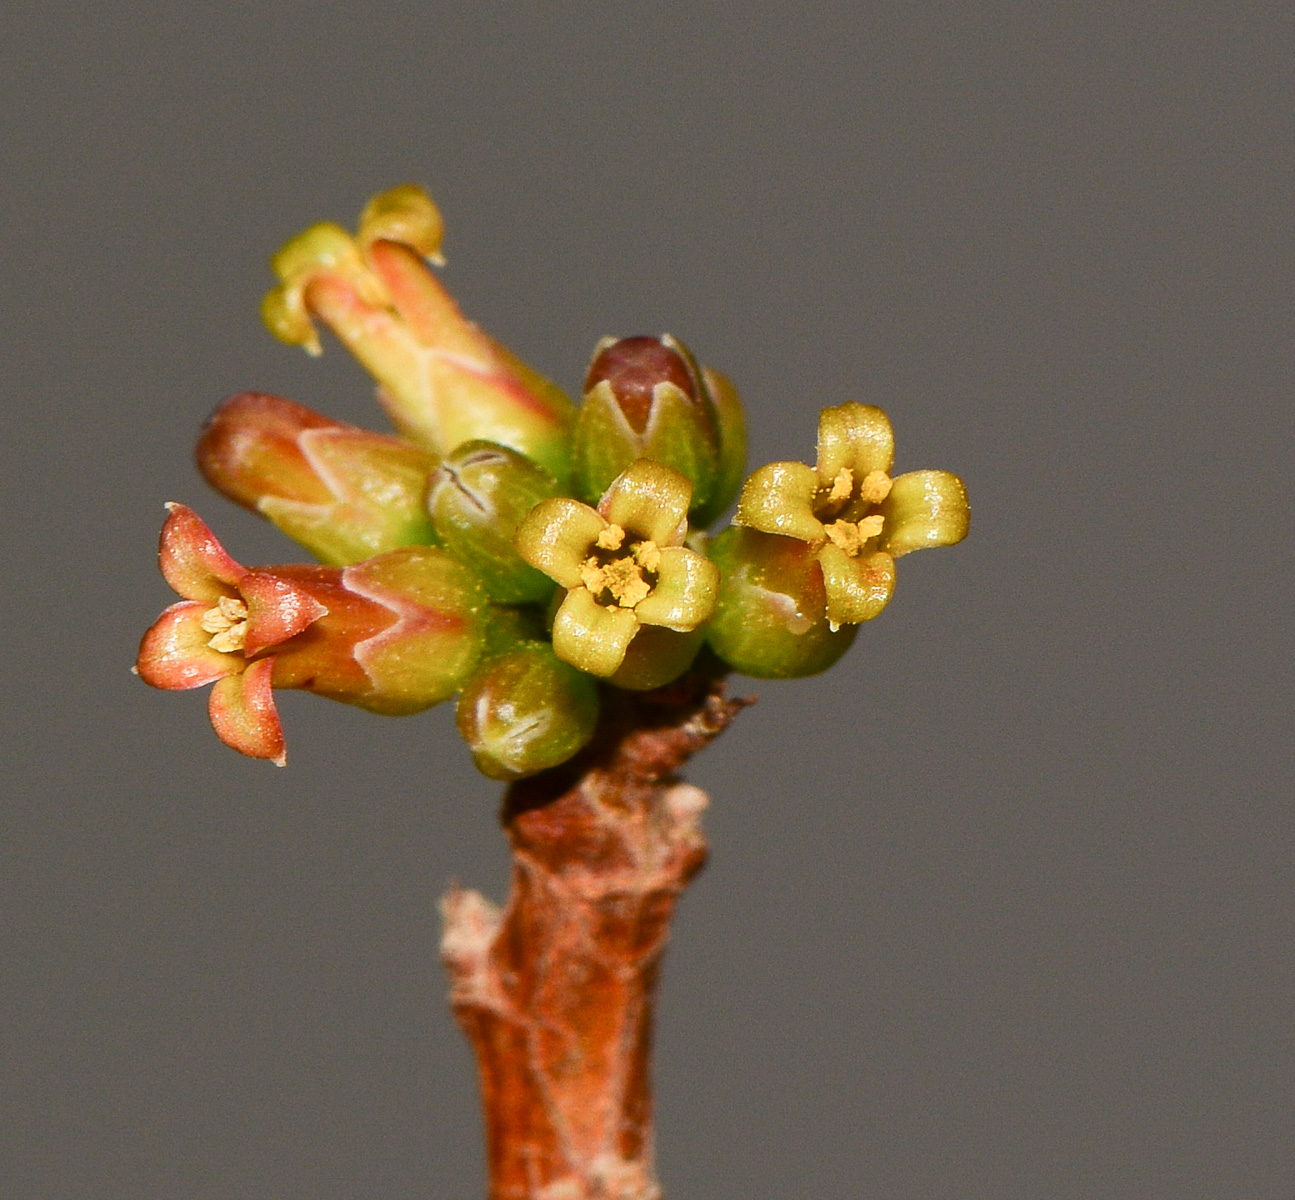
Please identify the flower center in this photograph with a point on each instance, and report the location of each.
(227, 622)
(620, 574)
(849, 500)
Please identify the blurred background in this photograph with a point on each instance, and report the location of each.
(999, 908)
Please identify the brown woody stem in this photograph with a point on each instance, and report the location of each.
(557, 992)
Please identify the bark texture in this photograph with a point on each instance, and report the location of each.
(557, 992)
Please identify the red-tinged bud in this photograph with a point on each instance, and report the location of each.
(343, 492)
(442, 380)
(645, 398)
(394, 634)
(770, 619)
(633, 367)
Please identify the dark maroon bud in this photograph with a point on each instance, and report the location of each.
(634, 366)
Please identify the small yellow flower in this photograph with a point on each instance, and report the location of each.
(849, 507)
(624, 566)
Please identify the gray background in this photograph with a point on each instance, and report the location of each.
(1001, 907)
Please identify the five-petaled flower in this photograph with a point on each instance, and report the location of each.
(396, 633)
(854, 515)
(624, 565)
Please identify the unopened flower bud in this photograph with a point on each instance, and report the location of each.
(442, 380)
(770, 619)
(342, 492)
(525, 711)
(477, 498)
(645, 398)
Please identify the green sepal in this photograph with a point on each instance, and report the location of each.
(477, 499)
(655, 657)
(770, 621)
(526, 711)
(605, 444)
(644, 398)
(731, 468)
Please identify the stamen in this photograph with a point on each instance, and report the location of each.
(846, 535)
(875, 487)
(231, 640)
(842, 485)
(592, 576)
(228, 623)
(625, 581)
(611, 538)
(851, 537)
(869, 527)
(647, 555)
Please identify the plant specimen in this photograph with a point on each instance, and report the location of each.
(550, 565)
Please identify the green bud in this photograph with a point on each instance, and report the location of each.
(770, 621)
(507, 627)
(645, 398)
(732, 446)
(525, 711)
(477, 499)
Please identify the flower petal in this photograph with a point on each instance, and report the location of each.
(857, 588)
(590, 636)
(556, 537)
(779, 498)
(857, 436)
(174, 653)
(924, 509)
(651, 500)
(193, 562)
(276, 610)
(685, 593)
(244, 716)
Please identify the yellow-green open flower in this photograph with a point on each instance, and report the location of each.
(850, 508)
(624, 566)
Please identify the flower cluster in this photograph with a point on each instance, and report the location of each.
(506, 545)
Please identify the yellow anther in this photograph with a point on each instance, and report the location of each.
(625, 581)
(869, 527)
(842, 485)
(611, 538)
(844, 534)
(875, 487)
(227, 622)
(851, 537)
(647, 556)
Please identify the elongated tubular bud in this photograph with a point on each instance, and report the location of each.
(442, 380)
(477, 499)
(770, 619)
(343, 492)
(402, 632)
(645, 398)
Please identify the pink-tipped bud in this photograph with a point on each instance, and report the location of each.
(645, 397)
(343, 492)
(442, 380)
